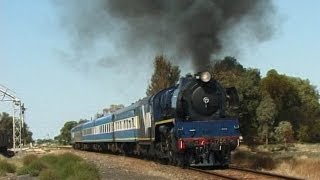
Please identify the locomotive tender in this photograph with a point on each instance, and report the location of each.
(185, 124)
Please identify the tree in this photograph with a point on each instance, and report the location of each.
(310, 133)
(296, 100)
(230, 73)
(164, 76)
(266, 113)
(81, 121)
(6, 127)
(65, 132)
(281, 90)
(284, 132)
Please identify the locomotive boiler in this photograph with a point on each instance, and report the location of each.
(185, 124)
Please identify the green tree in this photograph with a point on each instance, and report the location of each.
(308, 131)
(65, 135)
(266, 113)
(164, 76)
(296, 100)
(281, 90)
(81, 121)
(303, 133)
(284, 132)
(6, 127)
(230, 73)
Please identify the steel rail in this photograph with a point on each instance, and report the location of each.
(264, 173)
(213, 173)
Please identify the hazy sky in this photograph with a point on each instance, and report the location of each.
(37, 61)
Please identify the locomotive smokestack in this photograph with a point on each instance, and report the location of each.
(185, 28)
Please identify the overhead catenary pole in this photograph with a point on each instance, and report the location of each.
(18, 115)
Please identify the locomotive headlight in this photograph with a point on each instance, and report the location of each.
(205, 76)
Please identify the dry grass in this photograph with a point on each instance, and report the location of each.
(305, 168)
(299, 160)
(28, 159)
(254, 160)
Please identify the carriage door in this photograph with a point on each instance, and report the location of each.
(146, 117)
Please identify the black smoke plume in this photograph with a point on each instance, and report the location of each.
(188, 28)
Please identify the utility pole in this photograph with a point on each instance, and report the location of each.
(18, 115)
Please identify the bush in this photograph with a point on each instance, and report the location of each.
(34, 168)
(29, 159)
(48, 174)
(50, 159)
(80, 171)
(6, 167)
(303, 134)
(64, 166)
(264, 162)
(284, 132)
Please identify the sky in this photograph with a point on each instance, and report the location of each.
(37, 62)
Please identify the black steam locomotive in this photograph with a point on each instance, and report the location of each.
(185, 124)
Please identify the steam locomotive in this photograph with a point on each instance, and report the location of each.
(185, 125)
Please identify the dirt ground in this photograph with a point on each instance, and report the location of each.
(116, 167)
(120, 167)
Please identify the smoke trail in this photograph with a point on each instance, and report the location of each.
(188, 28)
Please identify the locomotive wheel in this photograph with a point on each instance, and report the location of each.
(172, 158)
(182, 160)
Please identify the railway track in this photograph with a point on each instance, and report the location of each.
(215, 174)
(278, 176)
(236, 173)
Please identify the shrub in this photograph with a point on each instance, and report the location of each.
(68, 158)
(284, 132)
(80, 171)
(264, 162)
(6, 167)
(50, 159)
(48, 174)
(64, 166)
(29, 159)
(34, 168)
